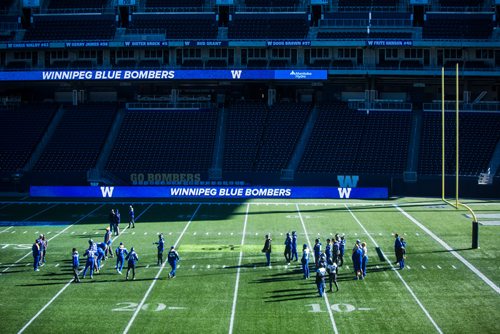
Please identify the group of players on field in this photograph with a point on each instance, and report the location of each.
(326, 262)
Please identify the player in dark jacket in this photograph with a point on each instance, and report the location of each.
(267, 249)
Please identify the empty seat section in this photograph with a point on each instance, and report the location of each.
(282, 130)
(21, 129)
(351, 141)
(176, 25)
(244, 128)
(479, 136)
(165, 141)
(268, 25)
(458, 26)
(71, 27)
(78, 138)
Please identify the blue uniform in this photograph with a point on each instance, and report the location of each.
(173, 258)
(398, 249)
(161, 248)
(120, 252)
(36, 256)
(328, 253)
(131, 217)
(100, 254)
(294, 247)
(403, 253)
(90, 254)
(288, 248)
(305, 262)
(357, 255)
(317, 253)
(335, 251)
(132, 259)
(364, 260)
(341, 251)
(108, 241)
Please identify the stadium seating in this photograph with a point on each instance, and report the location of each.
(78, 139)
(271, 3)
(268, 25)
(350, 141)
(165, 141)
(282, 130)
(244, 128)
(21, 130)
(174, 3)
(63, 27)
(478, 138)
(176, 25)
(67, 4)
(457, 26)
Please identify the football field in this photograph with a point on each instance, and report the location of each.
(222, 283)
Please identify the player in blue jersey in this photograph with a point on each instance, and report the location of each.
(35, 249)
(173, 258)
(90, 254)
(41, 246)
(398, 248)
(131, 217)
(317, 252)
(101, 248)
(288, 248)
(294, 246)
(117, 222)
(328, 251)
(364, 259)
(160, 248)
(108, 240)
(120, 252)
(267, 249)
(76, 265)
(305, 260)
(357, 255)
(403, 253)
(341, 251)
(132, 259)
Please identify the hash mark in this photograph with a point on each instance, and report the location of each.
(454, 266)
(423, 267)
(439, 267)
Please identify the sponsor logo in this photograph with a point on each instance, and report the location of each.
(346, 183)
(107, 191)
(300, 74)
(236, 74)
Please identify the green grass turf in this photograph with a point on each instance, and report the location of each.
(268, 300)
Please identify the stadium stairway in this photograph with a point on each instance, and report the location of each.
(410, 174)
(110, 140)
(37, 153)
(288, 173)
(495, 160)
(215, 173)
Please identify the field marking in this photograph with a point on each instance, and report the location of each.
(60, 232)
(397, 273)
(448, 248)
(330, 313)
(138, 309)
(5, 230)
(235, 297)
(70, 281)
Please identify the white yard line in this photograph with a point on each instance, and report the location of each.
(5, 230)
(235, 297)
(60, 232)
(67, 284)
(397, 273)
(139, 307)
(330, 313)
(448, 248)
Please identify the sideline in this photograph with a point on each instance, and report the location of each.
(328, 307)
(397, 273)
(448, 248)
(233, 309)
(139, 307)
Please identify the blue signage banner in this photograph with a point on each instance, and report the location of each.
(389, 42)
(170, 192)
(288, 43)
(151, 74)
(145, 43)
(206, 43)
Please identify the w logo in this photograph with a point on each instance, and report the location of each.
(348, 181)
(107, 191)
(236, 74)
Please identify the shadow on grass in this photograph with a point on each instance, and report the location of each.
(444, 251)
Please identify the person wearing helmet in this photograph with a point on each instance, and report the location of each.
(173, 258)
(120, 252)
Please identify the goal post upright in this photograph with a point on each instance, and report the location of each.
(457, 204)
